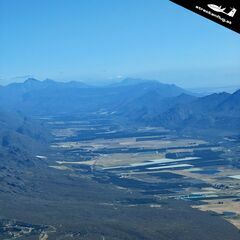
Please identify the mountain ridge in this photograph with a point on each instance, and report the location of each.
(140, 101)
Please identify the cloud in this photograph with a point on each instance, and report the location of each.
(119, 76)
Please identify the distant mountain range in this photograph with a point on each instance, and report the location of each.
(50, 97)
(136, 100)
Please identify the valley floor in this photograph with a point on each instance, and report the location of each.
(103, 180)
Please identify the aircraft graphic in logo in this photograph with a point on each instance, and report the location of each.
(217, 8)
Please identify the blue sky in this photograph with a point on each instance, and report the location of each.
(96, 40)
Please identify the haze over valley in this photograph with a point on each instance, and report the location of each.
(132, 160)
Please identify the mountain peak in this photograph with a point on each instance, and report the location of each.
(237, 93)
(31, 80)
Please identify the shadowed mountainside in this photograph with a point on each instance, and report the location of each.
(21, 138)
(219, 111)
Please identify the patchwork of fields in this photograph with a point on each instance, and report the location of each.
(156, 163)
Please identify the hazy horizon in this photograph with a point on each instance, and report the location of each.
(195, 89)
